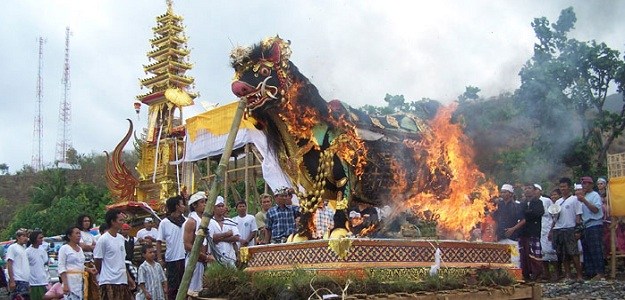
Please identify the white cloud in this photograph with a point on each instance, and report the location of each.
(355, 51)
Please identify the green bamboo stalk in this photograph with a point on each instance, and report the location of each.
(210, 202)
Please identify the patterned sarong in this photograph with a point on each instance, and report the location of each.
(92, 291)
(115, 291)
(22, 290)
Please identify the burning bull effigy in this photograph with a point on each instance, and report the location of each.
(332, 151)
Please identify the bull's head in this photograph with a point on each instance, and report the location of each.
(261, 73)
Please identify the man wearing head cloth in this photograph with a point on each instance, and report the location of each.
(224, 233)
(592, 241)
(548, 254)
(197, 205)
(508, 215)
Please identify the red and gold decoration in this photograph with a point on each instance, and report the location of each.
(162, 141)
(396, 259)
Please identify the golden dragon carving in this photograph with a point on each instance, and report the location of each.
(119, 179)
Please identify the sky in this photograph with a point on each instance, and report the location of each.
(354, 51)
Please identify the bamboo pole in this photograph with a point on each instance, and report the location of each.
(613, 247)
(247, 173)
(210, 203)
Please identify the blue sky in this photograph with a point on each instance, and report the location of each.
(354, 51)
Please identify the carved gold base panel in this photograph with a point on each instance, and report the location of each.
(389, 258)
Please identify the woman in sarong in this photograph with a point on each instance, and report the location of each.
(71, 266)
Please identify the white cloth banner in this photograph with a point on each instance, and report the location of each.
(206, 144)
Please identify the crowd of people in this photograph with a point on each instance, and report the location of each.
(568, 228)
(104, 267)
(553, 233)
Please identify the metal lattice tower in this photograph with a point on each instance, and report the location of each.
(64, 138)
(36, 163)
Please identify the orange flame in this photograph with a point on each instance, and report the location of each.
(457, 205)
(300, 122)
(350, 147)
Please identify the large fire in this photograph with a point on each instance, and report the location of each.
(461, 205)
(454, 193)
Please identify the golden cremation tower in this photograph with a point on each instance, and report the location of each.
(169, 93)
(162, 141)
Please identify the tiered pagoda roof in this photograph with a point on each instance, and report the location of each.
(168, 60)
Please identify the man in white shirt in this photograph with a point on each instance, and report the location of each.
(17, 265)
(246, 224)
(109, 254)
(563, 229)
(224, 233)
(148, 234)
(170, 232)
(197, 204)
(37, 260)
(592, 216)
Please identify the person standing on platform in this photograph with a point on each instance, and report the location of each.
(324, 219)
(18, 266)
(280, 220)
(37, 260)
(170, 232)
(246, 224)
(114, 280)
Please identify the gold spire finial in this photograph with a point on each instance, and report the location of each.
(170, 4)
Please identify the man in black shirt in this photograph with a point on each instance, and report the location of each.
(508, 215)
(529, 236)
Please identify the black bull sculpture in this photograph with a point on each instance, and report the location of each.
(329, 149)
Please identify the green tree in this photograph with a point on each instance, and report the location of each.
(564, 87)
(395, 104)
(56, 203)
(4, 169)
(470, 93)
(52, 187)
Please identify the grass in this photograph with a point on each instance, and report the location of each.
(232, 283)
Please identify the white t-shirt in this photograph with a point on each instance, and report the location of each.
(112, 252)
(171, 234)
(141, 234)
(70, 259)
(87, 238)
(21, 267)
(38, 259)
(246, 226)
(570, 208)
(225, 248)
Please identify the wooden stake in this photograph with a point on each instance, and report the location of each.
(210, 203)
